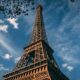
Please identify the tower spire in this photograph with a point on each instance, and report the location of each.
(38, 32)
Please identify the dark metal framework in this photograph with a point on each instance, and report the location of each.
(37, 62)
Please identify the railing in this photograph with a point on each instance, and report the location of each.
(37, 64)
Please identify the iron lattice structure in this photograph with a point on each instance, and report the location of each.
(39, 30)
(37, 62)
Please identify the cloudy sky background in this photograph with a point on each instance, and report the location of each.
(62, 24)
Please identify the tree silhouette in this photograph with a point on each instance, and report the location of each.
(13, 8)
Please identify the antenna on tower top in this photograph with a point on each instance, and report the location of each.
(39, 2)
(38, 29)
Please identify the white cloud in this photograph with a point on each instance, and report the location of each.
(5, 45)
(1, 21)
(64, 65)
(17, 59)
(2, 68)
(1, 65)
(68, 67)
(29, 19)
(3, 28)
(68, 53)
(65, 38)
(13, 22)
(7, 56)
(29, 22)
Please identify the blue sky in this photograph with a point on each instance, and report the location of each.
(62, 24)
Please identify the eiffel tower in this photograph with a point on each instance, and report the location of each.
(37, 62)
